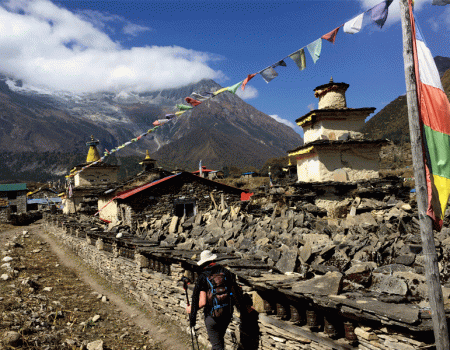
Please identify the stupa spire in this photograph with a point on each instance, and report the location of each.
(93, 154)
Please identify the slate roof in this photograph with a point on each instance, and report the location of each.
(13, 187)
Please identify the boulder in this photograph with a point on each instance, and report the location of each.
(173, 225)
(389, 285)
(288, 261)
(330, 283)
(405, 259)
(11, 338)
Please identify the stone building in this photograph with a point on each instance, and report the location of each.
(149, 173)
(181, 195)
(13, 199)
(81, 193)
(334, 148)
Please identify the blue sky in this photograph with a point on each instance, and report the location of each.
(143, 45)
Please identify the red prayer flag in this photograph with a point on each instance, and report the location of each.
(246, 196)
(249, 77)
(331, 36)
(192, 101)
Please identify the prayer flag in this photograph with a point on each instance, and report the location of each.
(233, 88)
(269, 74)
(331, 36)
(200, 169)
(220, 91)
(280, 63)
(192, 101)
(434, 112)
(378, 14)
(249, 77)
(180, 112)
(160, 122)
(299, 58)
(314, 49)
(170, 116)
(183, 107)
(199, 97)
(354, 25)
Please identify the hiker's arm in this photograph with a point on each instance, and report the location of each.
(195, 301)
(201, 302)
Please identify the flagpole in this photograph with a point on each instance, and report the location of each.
(426, 228)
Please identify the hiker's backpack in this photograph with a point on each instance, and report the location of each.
(218, 297)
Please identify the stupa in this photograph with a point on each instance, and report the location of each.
(334, 148)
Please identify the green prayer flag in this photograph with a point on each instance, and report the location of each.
(314, 49)
(183, 107)
(233, 88)
(299, 58)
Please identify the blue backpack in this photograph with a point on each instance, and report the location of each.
(218, 297)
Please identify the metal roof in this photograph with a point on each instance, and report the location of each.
(44, 200)
(133, 191)
(13, 187)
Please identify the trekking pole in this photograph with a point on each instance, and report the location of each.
(186, 281)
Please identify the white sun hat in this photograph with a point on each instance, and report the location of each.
(206, 256)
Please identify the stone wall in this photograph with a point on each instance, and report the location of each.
(4, 214)
(165, 293)
(20, 201)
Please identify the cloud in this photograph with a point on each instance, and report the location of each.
(48, 46)
(292, 125)
(249, 93)
(106, 21)
(135, 29)
(436, 22)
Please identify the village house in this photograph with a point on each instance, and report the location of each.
(43, 198)
(206, 173)
(182, 195)
(13, 199)
(79, 193)
(149, 173)
(334, 148)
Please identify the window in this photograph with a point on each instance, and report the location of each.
(12, 194)
(185, 207)
(13, 208)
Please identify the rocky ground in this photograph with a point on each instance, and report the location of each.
(46, 305)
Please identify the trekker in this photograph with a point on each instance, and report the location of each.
(216, 291)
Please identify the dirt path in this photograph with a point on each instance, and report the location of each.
(158, 332)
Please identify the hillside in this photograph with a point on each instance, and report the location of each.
(224, 131)
(392, 121)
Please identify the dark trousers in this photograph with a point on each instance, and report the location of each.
(216, 328)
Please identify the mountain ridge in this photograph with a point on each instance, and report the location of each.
(39, 122)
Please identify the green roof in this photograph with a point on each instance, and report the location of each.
(13, 187)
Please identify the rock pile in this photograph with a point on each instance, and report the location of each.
(377, 250)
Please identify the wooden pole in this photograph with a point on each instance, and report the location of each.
(426, 228)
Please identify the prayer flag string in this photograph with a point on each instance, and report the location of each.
(376, 15)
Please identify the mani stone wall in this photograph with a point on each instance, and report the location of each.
(165, 293)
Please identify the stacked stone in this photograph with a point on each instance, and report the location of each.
(165, 293)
